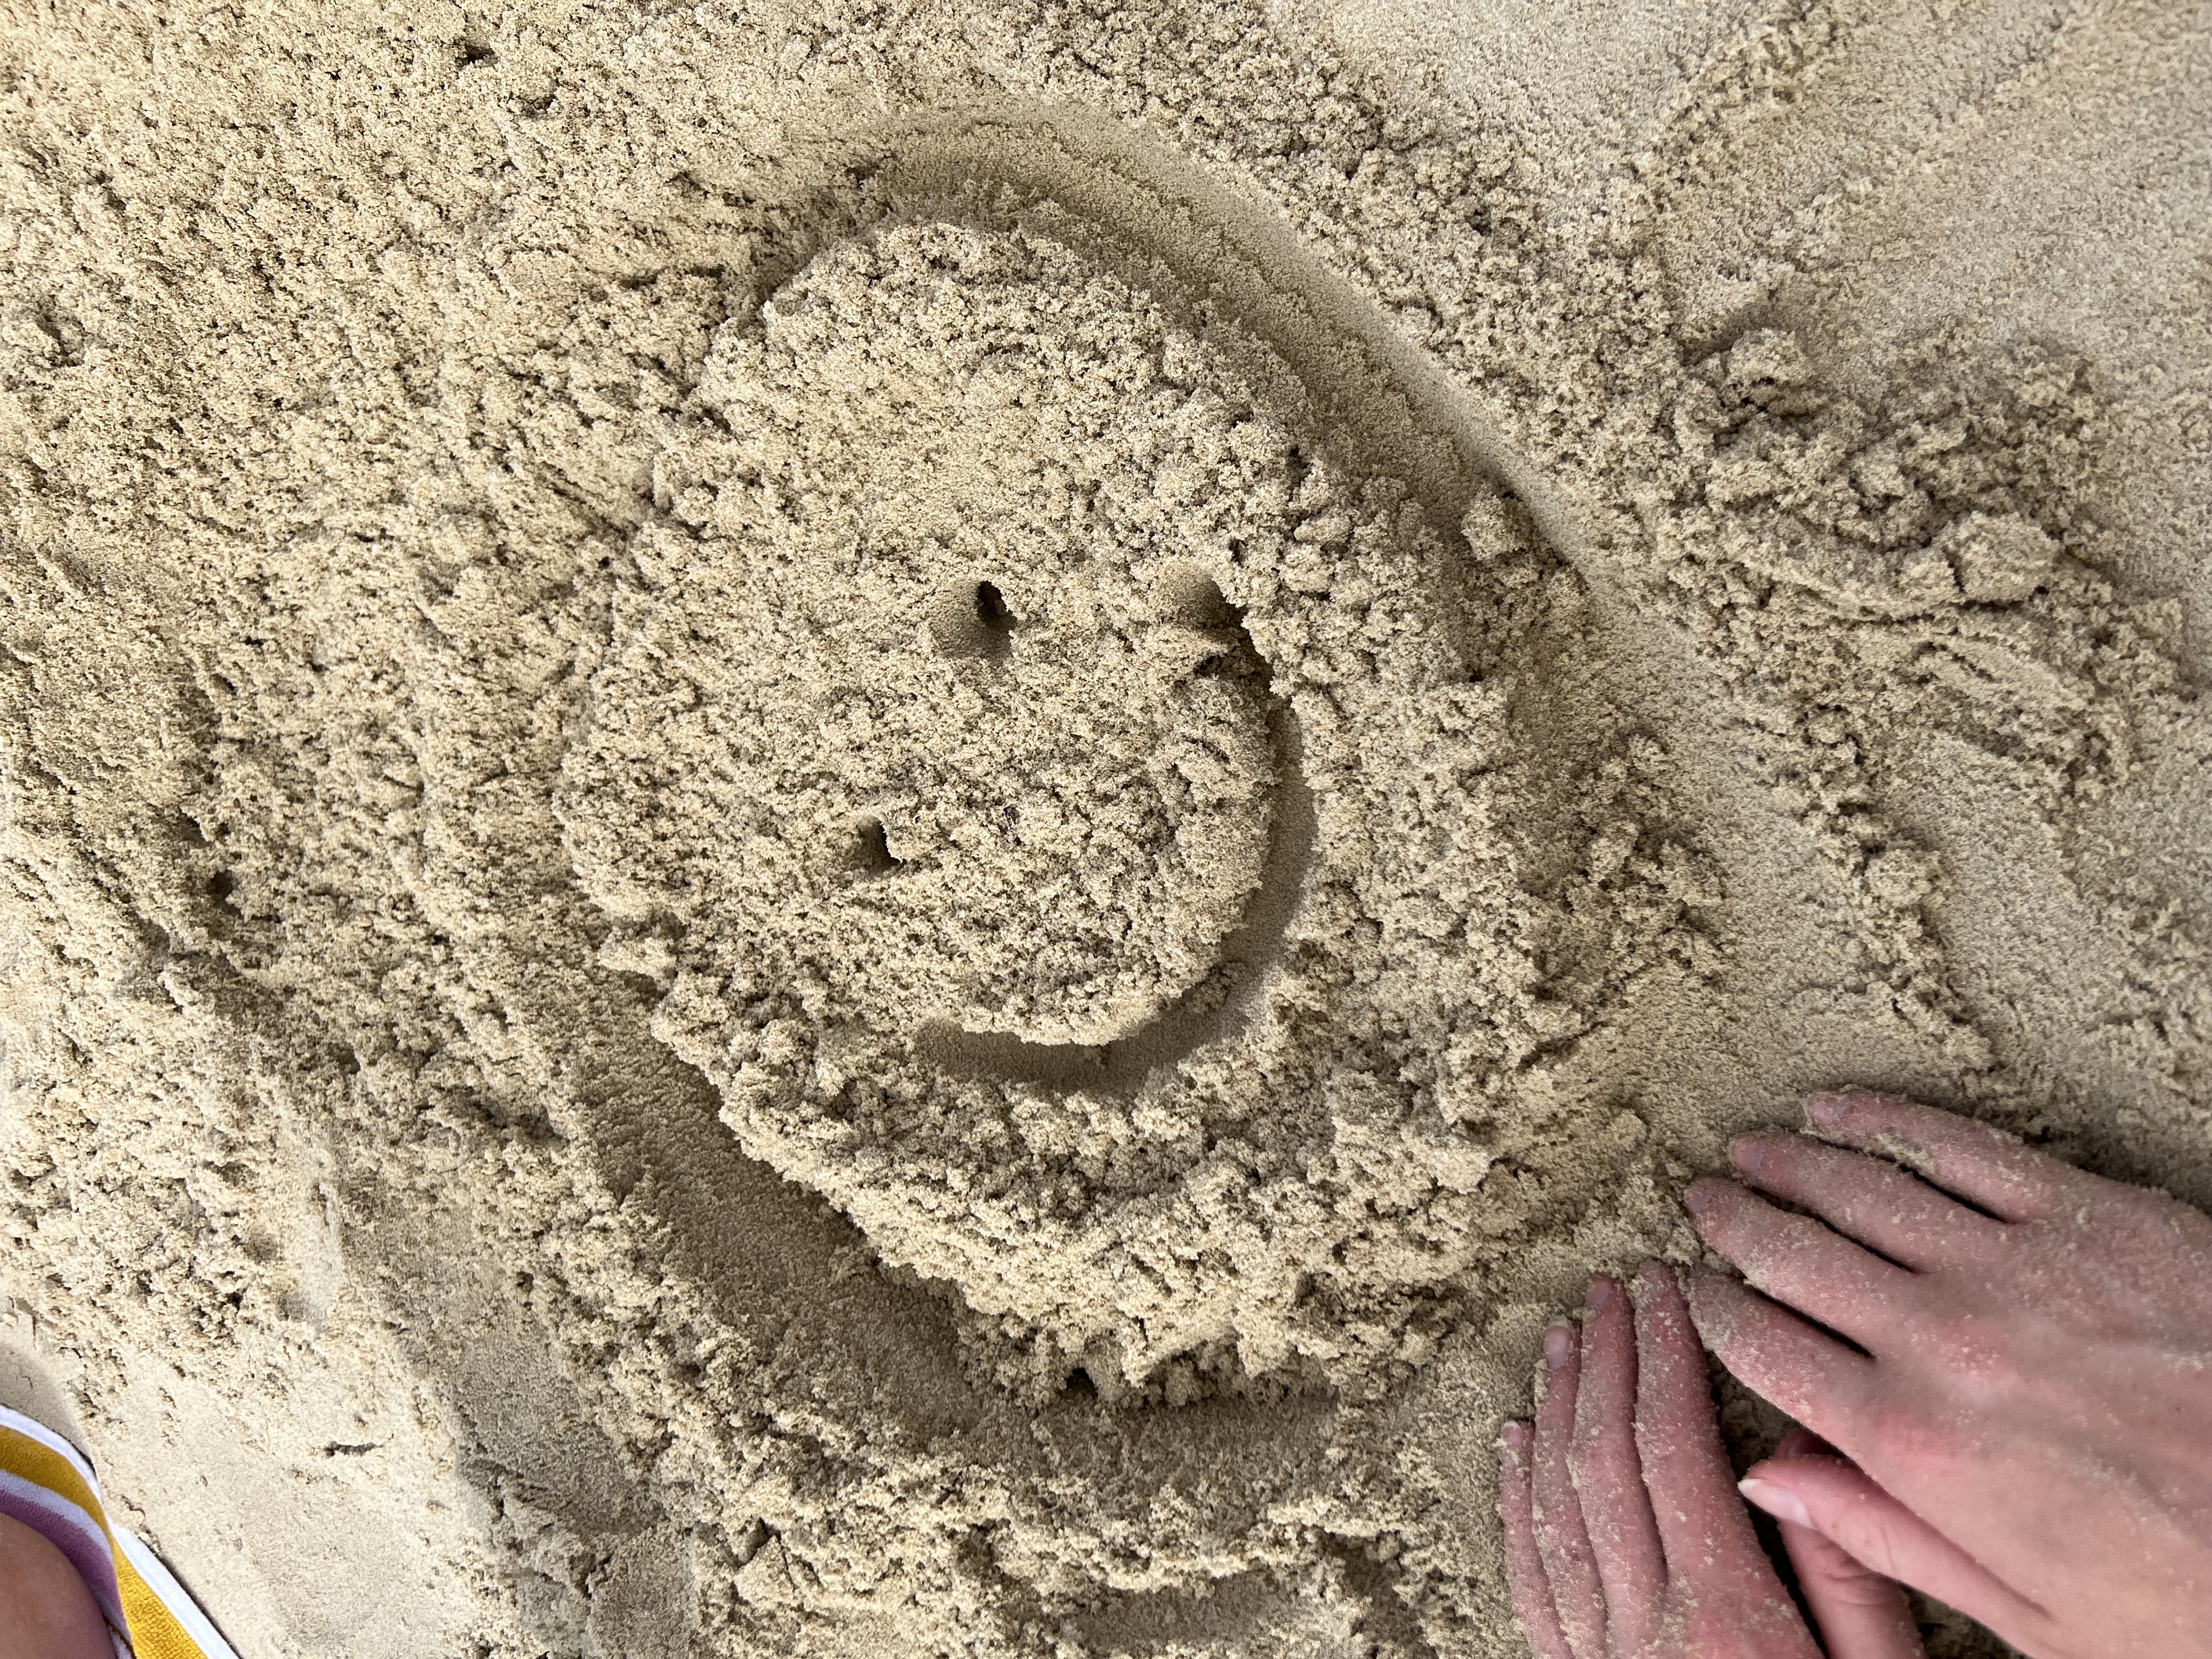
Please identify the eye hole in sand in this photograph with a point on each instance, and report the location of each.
(973, 620)
(991, 609)
(872, 852)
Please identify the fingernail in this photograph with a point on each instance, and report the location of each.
(1827, 1110)
(1512, 1444)
(1747, 1154)
(1777, 1500)
(1700, 1197)
(1601, 1293)
(1559, 1345)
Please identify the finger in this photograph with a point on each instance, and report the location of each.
(1836, 1500)
(1609, 1476)
(1861, 1614)
(1562, 1541)
(1806, 1372)
(1524, 1566)
(1981, 1164)
(1863, 1198)
(1703, 1529)
(1804, 1263)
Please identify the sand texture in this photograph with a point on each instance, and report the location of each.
(851, 831)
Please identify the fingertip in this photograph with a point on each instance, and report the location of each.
(1704, 1193)
(1513, 1442)
(1714, 1303)
(1559, 1345)
(1749, 1152)
(1828, 1109)
(1780, 1471)
(1603, 1287)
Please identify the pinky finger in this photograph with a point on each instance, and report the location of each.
(1524, 1565)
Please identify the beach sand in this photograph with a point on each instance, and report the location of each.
(866, 830)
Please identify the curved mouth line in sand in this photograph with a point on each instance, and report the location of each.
(1204, 1013)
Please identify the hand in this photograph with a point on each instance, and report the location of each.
(2027, 1410)
(1625, 1538)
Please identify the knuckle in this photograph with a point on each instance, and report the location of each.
(1977, 1345)
(1586, 1468)
(1780, 1243)
(1872, 1535)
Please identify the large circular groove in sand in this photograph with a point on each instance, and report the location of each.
(1164, 224)
(1175, 1186)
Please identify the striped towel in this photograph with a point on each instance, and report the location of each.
(47, 1483)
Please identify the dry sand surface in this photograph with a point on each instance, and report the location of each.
(868, 829)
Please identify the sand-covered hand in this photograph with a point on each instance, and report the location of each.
(2012, 1356)
(1625, 1537)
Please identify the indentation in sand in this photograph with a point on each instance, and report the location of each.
(1044, 756)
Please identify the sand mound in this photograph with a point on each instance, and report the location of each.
(1079, 824)
(886, 834)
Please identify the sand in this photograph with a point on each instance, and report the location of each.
(859, 830)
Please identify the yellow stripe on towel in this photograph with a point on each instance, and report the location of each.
(154, 1631)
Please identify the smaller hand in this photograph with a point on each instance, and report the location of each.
(1624, 1536)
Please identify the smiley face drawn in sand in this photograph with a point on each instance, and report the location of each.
(1062, 787)
(1005, 761)
(1055, 797)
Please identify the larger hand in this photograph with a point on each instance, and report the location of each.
(2028, 1402)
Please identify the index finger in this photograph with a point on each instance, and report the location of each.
(1982, 1165)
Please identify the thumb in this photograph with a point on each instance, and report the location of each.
(1835, 1499)
(1859, 1612)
